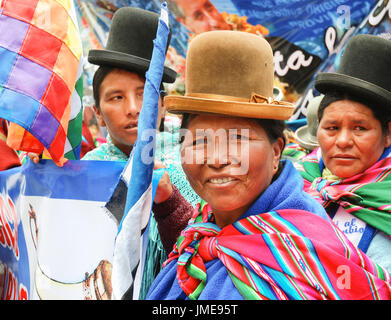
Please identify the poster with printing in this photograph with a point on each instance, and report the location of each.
(296, 30)
(56, 233)
(377, 22)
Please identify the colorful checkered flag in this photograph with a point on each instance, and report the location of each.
(40, 56)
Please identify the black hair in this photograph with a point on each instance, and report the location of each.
(99, 76)
(381, 113)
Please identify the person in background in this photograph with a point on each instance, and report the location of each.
(198, 15)
(349, 174)
(255, 234)
(303, 141)
(118, 88)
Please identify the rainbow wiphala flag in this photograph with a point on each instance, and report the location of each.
(40, 55)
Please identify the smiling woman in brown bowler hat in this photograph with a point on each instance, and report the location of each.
(256, 234)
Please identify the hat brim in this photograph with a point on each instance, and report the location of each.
(184, 104)
(127, 62)
(329, 82)
(305, 139)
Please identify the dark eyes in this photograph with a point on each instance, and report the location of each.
(116, 98)
(235, 138)
(356, 128)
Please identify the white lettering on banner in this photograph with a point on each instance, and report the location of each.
(377, 15)
(330, 39)
(295, 61)
(9, 226)
(343, 21)
(303, 103)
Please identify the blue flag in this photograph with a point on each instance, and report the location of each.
(128, 251)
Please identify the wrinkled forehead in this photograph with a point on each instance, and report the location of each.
(203, 121)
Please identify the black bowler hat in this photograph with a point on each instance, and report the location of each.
(130, 42)
(364, 70)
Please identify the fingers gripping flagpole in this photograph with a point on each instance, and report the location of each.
(139, 197)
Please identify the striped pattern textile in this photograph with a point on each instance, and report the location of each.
(366, 195)
(294, 151)
(281, 255)
(40, 63)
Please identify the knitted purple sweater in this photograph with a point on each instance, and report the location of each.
(172, 217)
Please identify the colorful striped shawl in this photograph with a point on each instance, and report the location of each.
(366, 195)
(284, 254)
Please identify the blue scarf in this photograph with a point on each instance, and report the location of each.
(286, 192)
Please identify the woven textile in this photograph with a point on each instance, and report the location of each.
(366, 195)
(277, 255)
(40, 63)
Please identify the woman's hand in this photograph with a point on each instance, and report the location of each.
(33, 156)
(164, 188)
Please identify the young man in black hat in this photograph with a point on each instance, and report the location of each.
(118, 88)
(118, 83)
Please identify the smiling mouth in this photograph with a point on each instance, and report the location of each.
(221, 180)
(131, 126)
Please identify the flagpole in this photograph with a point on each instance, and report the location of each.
(126, 257)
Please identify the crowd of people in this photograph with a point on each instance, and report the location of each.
(254, 216)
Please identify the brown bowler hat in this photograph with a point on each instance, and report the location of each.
(230, 73)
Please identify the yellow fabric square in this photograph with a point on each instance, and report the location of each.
(66, 4)
(73, 40)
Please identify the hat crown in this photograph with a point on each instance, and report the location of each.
(364, 71)
(246, 68)
(130, 42)
(366, 57)
(132, 31)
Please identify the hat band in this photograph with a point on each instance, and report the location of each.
(255, 98)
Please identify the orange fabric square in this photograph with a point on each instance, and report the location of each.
(67, 66)
(20, 139)
(46, 52)
(20, 9)
(51, 17)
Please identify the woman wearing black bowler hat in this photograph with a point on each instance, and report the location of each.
(350, 173)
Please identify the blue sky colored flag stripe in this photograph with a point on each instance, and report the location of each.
(140, 168)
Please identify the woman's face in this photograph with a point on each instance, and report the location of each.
(351, 138)
(229, 162)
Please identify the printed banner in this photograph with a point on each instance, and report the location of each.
(56, 234)
(377, 22)
(295, 29)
